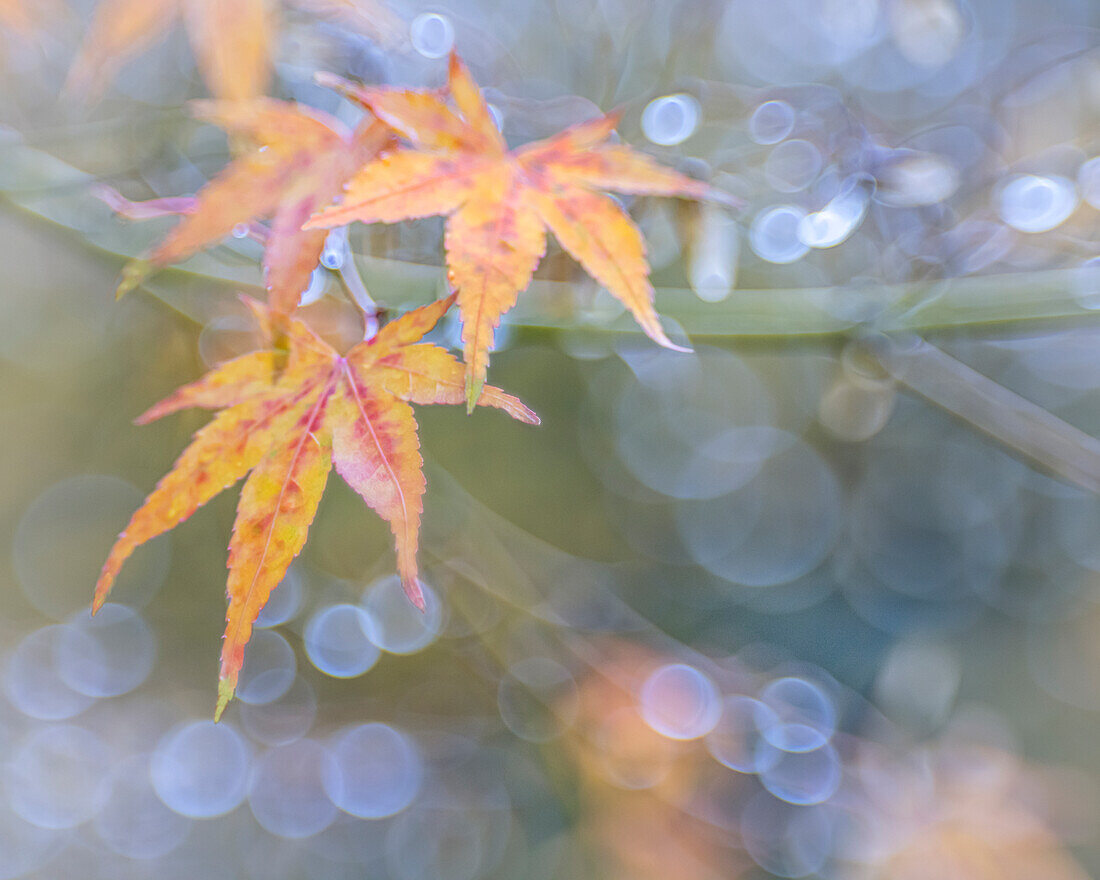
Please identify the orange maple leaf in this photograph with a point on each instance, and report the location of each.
(289, 424)
(232, 39)
(298, 161)
(499, 203)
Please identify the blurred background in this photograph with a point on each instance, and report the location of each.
(821, 599)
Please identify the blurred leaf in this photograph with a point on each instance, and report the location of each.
(232, 42)
(28, 19)
(298, 160)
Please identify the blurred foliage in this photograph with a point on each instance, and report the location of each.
(817, 600)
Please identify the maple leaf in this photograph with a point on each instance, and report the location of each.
(231, 39)
(298, 161)
(289, 424)
(500, 203)
(27, 20)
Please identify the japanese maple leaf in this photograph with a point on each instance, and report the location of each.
(289, 424)
(499, 203)
(232, 39)
(27, 20)
(298, 161)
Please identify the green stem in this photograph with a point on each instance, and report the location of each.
(47, 187)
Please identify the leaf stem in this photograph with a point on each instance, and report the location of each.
(43, 185)
(356, 291)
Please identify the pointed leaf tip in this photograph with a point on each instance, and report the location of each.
(351, 90)
(412, 589)
(226, 687)
(104, 583)
(260, 311)
(133, 274)
(653, 329)
(150, 415)
(474, 386)
(331, 80)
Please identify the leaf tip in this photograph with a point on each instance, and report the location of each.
(652, 327)
(150, 415)
(412, 589)
(330, 80)
(107, 576)
(474, 386)
(319, 221)
(258, 309)
(351, 90)
(615, 116)
(133, 274)
(226, 687)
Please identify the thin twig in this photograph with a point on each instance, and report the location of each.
(986, 405)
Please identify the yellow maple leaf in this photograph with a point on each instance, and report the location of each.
(289, 424)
